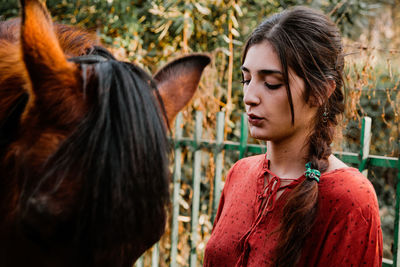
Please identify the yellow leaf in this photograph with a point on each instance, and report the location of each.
(235, 32)
(203, 10)
(238, 9)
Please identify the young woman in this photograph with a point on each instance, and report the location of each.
(298, 205)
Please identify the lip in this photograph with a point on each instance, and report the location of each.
(254, 119)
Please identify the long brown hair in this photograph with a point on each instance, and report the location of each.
(307, 42)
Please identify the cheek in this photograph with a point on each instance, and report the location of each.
(305, 116)
(279, 108)
(304, 113)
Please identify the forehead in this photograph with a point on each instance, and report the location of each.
(262, 56)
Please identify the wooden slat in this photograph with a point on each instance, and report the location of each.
(218, 159)
(139, 262)
(155, 256)
(348, 157)
(196, 189)
(175, 193)
(387, 263)
(381, 161)
(365, 145)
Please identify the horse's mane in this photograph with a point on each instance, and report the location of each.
(122, 130)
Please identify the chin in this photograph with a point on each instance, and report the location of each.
(259, 134)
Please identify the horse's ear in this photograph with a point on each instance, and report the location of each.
(178, 81)
(43, 57)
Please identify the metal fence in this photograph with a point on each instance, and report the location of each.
(362, 159)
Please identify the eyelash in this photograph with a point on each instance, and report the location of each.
(269, 86)
(273, 86)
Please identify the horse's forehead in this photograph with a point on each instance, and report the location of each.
(74, 41)
(9, 30)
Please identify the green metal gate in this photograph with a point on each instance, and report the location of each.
(362, 159)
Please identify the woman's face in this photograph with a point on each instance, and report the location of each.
(266, 100)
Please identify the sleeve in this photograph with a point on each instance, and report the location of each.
(355, 240)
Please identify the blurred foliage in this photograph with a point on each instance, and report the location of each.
(150, 33)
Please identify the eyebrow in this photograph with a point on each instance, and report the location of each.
(263, 72)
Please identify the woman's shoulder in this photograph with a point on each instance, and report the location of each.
(246, 167)
(249, 163)
(346, 189)
(345, 180)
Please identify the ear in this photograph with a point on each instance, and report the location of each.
(331, 87)
(178, 81)
(44, 59)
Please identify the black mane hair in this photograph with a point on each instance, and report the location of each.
(118, 155)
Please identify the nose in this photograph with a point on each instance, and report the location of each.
(250, 96)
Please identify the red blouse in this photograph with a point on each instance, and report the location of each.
(347, 230)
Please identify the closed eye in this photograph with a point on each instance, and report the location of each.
(273, 86)
(246, 82)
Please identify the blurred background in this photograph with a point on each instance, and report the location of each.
(150, 33)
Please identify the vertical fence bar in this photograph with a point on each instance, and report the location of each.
(139, 262)
(218, 159)
(365, 144)
(243, 135)
(396, 250)
(176, 189)
(196, 189)
(155, 255)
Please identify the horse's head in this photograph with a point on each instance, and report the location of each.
(90, 152)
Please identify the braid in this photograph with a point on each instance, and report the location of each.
(301, 208)
(302, 203)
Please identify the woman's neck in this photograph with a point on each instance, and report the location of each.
(288, 158)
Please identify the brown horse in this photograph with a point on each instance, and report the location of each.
(83, 145)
